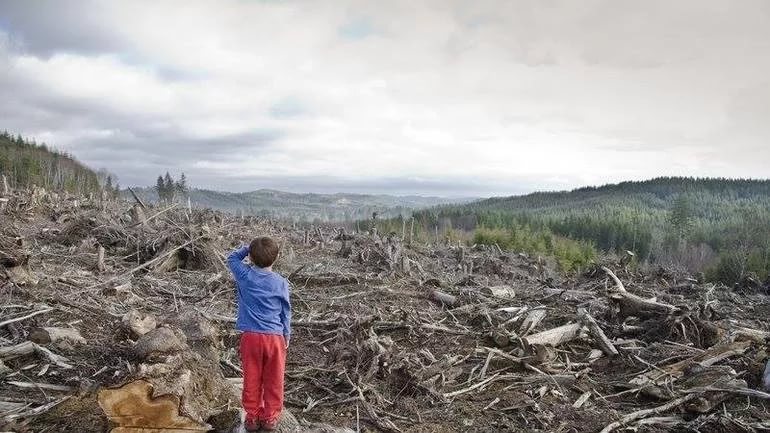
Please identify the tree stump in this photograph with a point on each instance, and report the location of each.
(178, 385)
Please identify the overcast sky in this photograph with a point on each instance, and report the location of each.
(451, 98)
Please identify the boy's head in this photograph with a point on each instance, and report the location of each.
(263, 251)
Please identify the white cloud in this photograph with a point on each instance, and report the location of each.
(554, 92)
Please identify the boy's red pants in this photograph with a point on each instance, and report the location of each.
(263, 358)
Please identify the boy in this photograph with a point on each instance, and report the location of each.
(264, 318)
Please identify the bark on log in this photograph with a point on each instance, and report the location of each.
(742, 333)
(6, 190)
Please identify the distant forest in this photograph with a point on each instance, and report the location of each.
(720, 227)
(26, 163)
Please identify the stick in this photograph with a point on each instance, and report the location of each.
(598, 334)
(156, 214)
(138, 200)
(618, 283)
(19, 319)
(48, 386)
(741, 391)
(472, 387)
(644, 413)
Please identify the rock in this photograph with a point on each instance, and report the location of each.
(766, 377)
(160, 341)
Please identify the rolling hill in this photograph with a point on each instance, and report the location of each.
(696, 223)
(305, 207)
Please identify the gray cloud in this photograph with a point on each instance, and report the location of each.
(45, 27)
(445, 98)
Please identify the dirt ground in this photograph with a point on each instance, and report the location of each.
(387, 335)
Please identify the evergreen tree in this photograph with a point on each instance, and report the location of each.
(681, 217)
(169, 186)
(181, 186)
(160, 188)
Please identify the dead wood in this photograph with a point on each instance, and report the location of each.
(65, 337)
(597, 333)
(555, 336)
(634, 305)
(138, 324)
(366, 348)
(444, 298)
(704, 359)
(644, 413)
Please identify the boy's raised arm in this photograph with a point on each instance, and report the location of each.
(235, 261)
(286, 315)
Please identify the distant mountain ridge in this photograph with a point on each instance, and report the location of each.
(305, 206)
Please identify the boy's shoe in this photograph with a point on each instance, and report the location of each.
(252, 425)
(269, 425)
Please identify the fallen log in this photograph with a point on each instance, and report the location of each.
(705, 359)
(634, 305)
(57, 336)
(597, 333)
(715, 376)
(555, 336)
(531, 321)
(444, 298)
(28, 348)
(501, 291)
(644, 413)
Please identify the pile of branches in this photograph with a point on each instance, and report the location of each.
(107, 305)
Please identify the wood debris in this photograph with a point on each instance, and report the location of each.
(124, 312)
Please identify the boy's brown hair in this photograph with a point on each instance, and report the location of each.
(263, 251)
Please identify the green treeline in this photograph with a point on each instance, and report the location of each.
(25, 163)
(717, 226)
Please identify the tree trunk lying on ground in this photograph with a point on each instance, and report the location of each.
(634, 305)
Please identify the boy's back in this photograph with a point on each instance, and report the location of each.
(263, 297)
(264, 317)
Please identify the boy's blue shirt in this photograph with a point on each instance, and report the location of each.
(263, 297)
